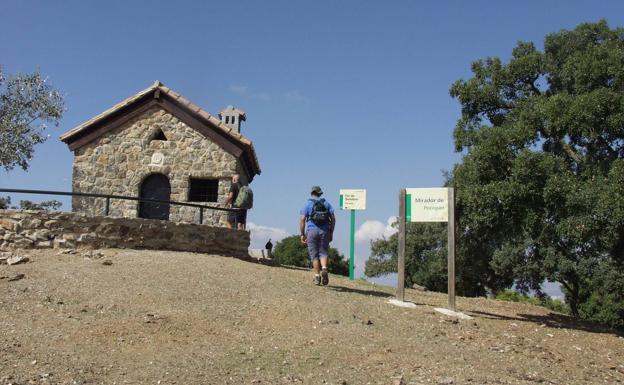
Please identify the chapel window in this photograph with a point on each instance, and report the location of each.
(203, 190)
(159, 135)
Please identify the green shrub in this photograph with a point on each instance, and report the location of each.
(603, 308)
(51, 205)
(547, 302)
(603, 299)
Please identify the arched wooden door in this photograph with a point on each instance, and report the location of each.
(155, 186)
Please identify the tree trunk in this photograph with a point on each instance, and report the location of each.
(572, 295)
(574, 299)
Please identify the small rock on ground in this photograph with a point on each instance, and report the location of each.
(4, 256)
(418, 287)
(16, 277)
(14, 260)
(398, 380)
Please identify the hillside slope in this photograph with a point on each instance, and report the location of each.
(182, 318)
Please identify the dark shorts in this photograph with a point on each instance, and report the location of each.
(318, 243)
(238, 216)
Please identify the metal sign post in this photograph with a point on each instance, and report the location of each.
(451, 249)
(401, 271)
(427, 205)
(352, 200)
(352, 247)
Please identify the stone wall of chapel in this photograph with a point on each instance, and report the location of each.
(118, 162)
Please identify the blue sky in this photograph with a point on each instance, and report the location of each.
(345, 94)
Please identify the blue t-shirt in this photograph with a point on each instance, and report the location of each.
(307, 211)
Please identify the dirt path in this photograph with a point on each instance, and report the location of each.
(183, 318)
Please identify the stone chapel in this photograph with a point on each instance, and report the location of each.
(159, 145)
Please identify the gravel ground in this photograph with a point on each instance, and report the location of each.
(155, 317)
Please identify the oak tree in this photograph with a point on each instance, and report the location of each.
(541, 182)
(27, 104)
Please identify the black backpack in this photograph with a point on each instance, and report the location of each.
(320, 213)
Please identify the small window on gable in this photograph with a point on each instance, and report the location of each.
(203, 190)
(159, 135)
(227, 120)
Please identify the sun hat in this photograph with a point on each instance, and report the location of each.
(317, 190)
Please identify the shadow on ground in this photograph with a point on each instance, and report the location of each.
(373, 293)
(290, 267)
(553, 320)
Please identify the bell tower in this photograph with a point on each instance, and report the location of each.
(232, 117)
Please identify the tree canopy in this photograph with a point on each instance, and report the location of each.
(540, 187)
(27, 104)
(541, 182)
(51, 205)
(290, 251)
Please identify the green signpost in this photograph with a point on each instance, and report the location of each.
(352, 200)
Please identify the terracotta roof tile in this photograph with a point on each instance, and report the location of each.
(194, 107)
(108, 112)
(204, 114)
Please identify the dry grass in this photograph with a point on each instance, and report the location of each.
(183, 318)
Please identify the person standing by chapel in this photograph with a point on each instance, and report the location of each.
(238, 218)
(316, 226)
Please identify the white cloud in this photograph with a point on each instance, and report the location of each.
(246, 92)
(238, 89)
(260, 235)
(293, 96)
(553, 289)
(371, 230)
(297, 97)
(265, 97)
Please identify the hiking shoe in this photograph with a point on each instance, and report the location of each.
(317, 280)
(324, 277)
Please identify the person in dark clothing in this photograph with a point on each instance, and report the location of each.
(269, 248)
(236, 218)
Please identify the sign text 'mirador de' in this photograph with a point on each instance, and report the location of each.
(426, 204)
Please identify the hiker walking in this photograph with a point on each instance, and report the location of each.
(239, 197)
(317, 230)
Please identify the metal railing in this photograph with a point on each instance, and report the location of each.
(108, 198)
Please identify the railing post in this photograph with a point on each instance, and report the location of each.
(201, 215)
(107, 209)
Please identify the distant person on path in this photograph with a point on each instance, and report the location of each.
(269, 248)
(317, 230)
(236, 218)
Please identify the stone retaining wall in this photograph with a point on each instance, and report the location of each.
(37, 229)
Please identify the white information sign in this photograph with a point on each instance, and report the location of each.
(353, 199)
(426, 204)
